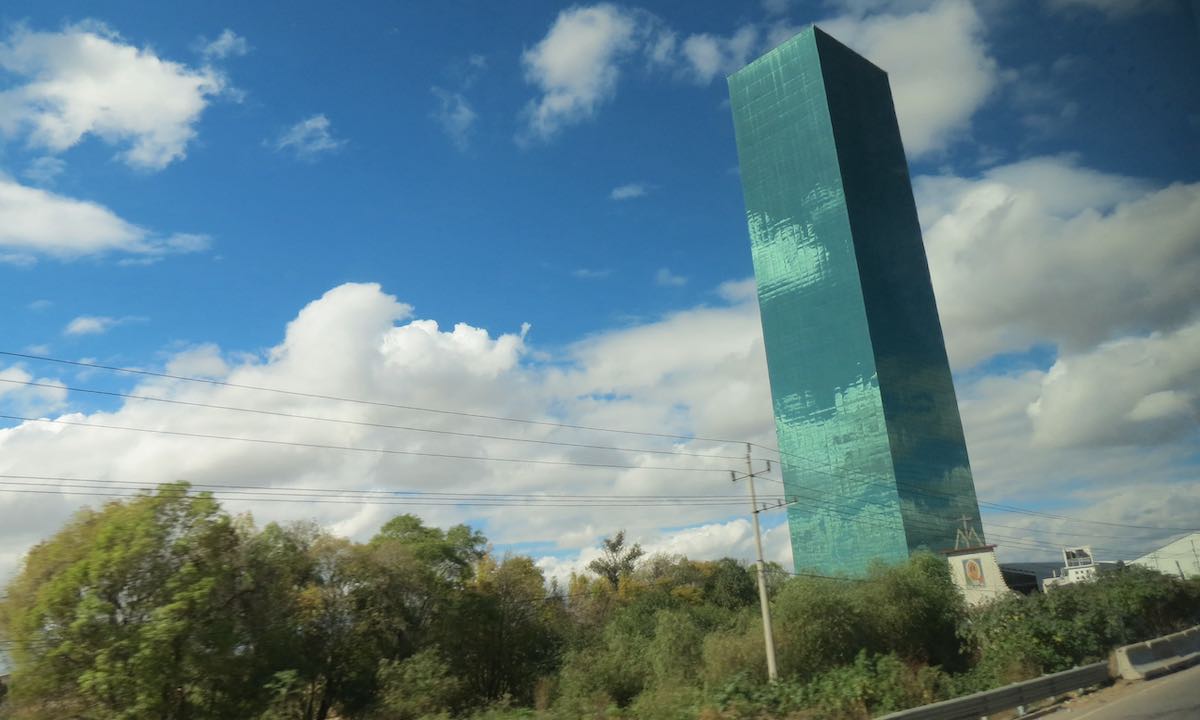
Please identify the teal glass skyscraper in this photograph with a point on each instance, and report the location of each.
(872, 446)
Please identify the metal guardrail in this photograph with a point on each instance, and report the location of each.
(984, 703)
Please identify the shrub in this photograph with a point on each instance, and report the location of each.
(874, 685)
(668, 702)
(417, 687)
(734, 653)
(1021, 637)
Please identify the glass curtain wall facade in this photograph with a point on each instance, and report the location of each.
(872, 445)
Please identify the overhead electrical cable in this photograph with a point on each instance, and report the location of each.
(361, 423)
(812, 495)
(360, 401)
(352, 448)
(919, 490)
(852, 514)
(93, 491)
(813, 468)
(372, 497)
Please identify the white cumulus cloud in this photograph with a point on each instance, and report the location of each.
(357, 341)
(698, 373)
(1047, 251)
(85, 80)
(937, 61)
(935, 53)
(24, 394)
(666, 278)
(44, 170)
(629, 191)
(709, 56)
(35, 222)
(95, 324)
(576, 66)
(455, 116)
(227, 44)
(1132, 391)
(1115, 9)
(309, 138)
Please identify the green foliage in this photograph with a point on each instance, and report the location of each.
(617, 561)
(668, 702)
(130, 612)
(877, 684)
(163, 606)
(449, 554)
(420, 686)
(914, 610)
(868, 686)
(501, 630)
(819, 624)
(1021, 637)
(730, 585)
(735, 654)
(675, 651)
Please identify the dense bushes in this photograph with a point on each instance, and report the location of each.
(165, 607)
(1018, 637)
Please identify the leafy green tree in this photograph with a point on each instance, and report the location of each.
(675, 653)
(617, 560)
(358, 606)
(420, 686)
(450, 554)
(730, 584)
(818, 626)
(914, 610)
(502, 632)
(163, 606)
(1019, 637)
(127, 613)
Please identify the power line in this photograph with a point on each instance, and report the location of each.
(912, 488)
(418, 502)
(408, 428)
(850, 515)
(918, 490)
(87, 487)
(359, 401)
(818, 498)
(351, 448)
(789, 573)
(92, 487)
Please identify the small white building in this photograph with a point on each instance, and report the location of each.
(977, 574)
(1180, 557)
(1078, 565)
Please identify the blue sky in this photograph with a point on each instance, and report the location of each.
(178, 181)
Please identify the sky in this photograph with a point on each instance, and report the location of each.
(532, 211)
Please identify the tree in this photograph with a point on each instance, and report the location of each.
(352, 615)
(730, 584)
(502, 632)
(617, 560)
(127, 612)
(450, 554)
(418, 687)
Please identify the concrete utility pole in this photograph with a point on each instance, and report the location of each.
(768, 635)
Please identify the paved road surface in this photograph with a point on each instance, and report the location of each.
(1174, 697)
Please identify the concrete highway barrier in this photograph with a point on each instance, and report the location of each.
(1132, 662)
(1158, 656)
(1010, 696)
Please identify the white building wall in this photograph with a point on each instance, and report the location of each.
(977, 575)
(1181, 557)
